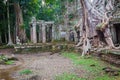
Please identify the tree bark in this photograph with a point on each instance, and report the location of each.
(9, 33)
(6, 38)
(93, 14)
(5, 33)
(67, 20)
(19, 23)
(86, 41)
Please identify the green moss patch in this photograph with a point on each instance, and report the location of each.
(25, 72)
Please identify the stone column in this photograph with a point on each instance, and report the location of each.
(34, 32)
(57, 32)
(67, 35)
(60, 29)
(31, 32)
(43, 33)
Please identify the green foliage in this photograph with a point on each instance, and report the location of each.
(5, 60)
(9, 62)
(6, 47)
(71, 16)
(26, 71)
(53, 10)
(2, 57)
(104, 77)
(22, 26)
(67, 76)
(70, 0)
(99, 26)
(95, 72)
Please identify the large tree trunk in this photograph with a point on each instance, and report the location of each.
(19, 23)
(86, 41)
(5, 33)
(6, 38)
(93, 14)
(9, 33)
(66, 20)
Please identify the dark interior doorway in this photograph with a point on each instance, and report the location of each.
(117, 29)
(49, 33)
(37, 32)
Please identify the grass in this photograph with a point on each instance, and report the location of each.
(95, 72)
(6, 47)
(67, 76)
(25, 72)
(9, 62)
(5, 60)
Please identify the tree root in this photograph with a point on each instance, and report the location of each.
(86, 47)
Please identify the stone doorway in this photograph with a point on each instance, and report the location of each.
(117, 29)
(49, 33)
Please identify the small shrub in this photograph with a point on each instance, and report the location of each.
(6, 46)
(3, 57)
(26, 71)
(9, 62)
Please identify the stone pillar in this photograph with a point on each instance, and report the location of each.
(58, 33)
(34, 33)
(60, 29)
(43, 33)
(67, 35)
(33, 30)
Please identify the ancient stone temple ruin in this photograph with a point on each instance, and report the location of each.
(41, 31)
(115, 27)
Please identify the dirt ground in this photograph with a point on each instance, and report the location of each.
(43, 65)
